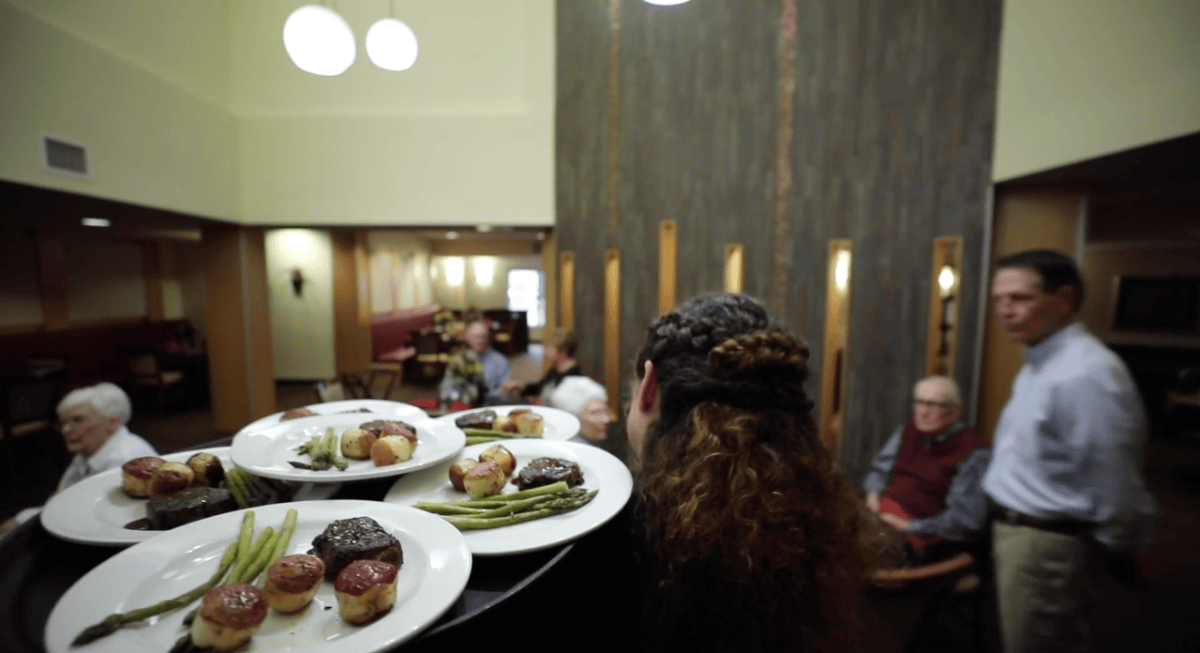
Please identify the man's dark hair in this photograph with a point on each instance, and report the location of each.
(1055, 268)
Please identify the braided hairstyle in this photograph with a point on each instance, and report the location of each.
(752, 535)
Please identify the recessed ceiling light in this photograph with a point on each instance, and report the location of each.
(483, 228)
(451, 235)
(95, 222)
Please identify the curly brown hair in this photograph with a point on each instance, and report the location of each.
(753, 538)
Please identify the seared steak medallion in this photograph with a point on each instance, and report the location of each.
(481, 420)
(544, 471)
(186, 506)
(358, 538)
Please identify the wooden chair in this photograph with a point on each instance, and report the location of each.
(28, 407)
(146, 375)
(392, 365)
(945, 581)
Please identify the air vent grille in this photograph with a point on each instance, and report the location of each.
(65, 157)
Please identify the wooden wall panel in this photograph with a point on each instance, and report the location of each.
(152, 275)
(237, 311)
(52, 277)
(351, 333)
(1024, 219)
(886, 141)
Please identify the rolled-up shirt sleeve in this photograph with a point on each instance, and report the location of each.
(966, 504)
(876, 479)
(1105, 423)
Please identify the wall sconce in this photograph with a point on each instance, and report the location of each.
(484, 271)
(946, 272)
(298, 281)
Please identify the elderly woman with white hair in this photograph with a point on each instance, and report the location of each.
(587, 400)
(92, 422)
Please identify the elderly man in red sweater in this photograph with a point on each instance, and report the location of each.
(926, 481)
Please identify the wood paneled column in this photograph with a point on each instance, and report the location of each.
(237, 310)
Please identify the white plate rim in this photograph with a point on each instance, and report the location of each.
(70, 514)
(615, 485)
(448, 438)
(385, 407)
(563, 421)
(76, 609)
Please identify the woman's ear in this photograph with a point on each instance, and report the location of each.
(648, 389)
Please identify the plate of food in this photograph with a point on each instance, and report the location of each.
(346, 447)
(593, 486)
(378, 575)
(114, 507)
(502, 422)
(382, 408)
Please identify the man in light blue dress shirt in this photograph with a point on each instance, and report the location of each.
(1066, 471)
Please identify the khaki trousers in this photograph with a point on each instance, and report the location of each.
(1047, 585)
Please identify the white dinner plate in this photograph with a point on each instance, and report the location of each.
(601, 471)
(557, 424)
(436, 566)
(96, 509)
(267, 452)
(383, 409)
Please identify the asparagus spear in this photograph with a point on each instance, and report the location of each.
(111, 623)
(496, 435)
(548, 508)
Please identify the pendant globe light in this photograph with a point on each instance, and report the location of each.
(392, 45)
(319, 41)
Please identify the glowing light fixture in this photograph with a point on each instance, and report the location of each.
(392, 45)
(946, 280)
(451, 235)
(319, 41)
(95, 222)
(841, 270)
(483, 228)
(666, 3)
(484, 271)
(454, 270)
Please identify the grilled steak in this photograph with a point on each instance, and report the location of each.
(187, 506)
(359, 538)
(382, 427)
(544, 471)
(481, 420)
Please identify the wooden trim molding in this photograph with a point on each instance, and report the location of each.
(668, 234)
(734, 267)
(836, 355)
(152, 276)
(566, 290)
(612, 322)
(945, 293)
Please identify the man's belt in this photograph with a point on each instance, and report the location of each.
(1060, 526)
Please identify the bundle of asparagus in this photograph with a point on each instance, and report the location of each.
(476, 436)
(247, 556)
(507, 509)
(325, 452)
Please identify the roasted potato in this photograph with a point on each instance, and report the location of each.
(501, 456)
(169, 478)
(207, 470)
(391, 449)
(485, 480)
(459, 470)
(356, 443)
(136, 475)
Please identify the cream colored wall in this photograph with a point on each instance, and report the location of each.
(183, 42)
(301, 326)
(1084, 78)
(1103, 263)
(20, 298)
(151, 142)
(106, 279)
(399, 270)
(472, 292)
(183, 284)
(466, 136)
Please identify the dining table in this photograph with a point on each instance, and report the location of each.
(37, 568)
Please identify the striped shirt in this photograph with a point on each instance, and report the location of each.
(1070, 443)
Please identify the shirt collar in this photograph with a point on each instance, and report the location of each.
(1052, 343)
(107, 448)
